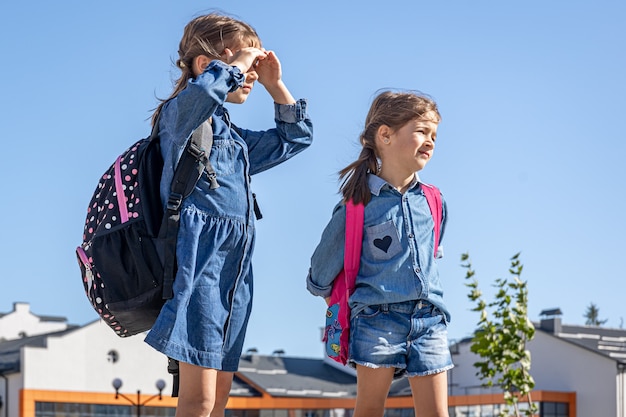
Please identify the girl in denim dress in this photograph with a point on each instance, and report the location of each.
(398, 323)
(204, 324)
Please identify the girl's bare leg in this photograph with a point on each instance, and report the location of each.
(197, 391)
(430, 395)
(372, 387)
(222, 391)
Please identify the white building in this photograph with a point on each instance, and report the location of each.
(42, 357)
(68, 370)
(21, 322)
(586, 360)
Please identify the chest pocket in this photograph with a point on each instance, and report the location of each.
(382, 241)
(222, 156)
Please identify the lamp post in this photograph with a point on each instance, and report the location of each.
(117, 384)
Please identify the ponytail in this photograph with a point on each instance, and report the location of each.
(186, 75)
(354, 185)
(389, 108)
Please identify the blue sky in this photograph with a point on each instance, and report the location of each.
(529, 153)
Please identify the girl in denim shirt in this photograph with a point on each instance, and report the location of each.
(398, 318)
(203, 325)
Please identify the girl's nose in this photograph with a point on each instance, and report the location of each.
(251, 76)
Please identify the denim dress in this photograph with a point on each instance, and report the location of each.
(205, 322)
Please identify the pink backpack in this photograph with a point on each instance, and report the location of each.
(337, 330)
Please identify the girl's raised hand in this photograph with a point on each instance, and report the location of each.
(269, 69)
(244, 58)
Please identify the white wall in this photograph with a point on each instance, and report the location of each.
(80, 361)
(22, 322)
(561, 366)
(556, 365)
(621, 394)
(11, 404)
(462, 378)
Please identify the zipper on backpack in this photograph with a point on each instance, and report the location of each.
(119, 190)
(87, 265)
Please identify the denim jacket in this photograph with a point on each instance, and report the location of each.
(237, 153)
(397, 259)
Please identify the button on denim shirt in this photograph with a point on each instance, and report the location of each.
(397, 259)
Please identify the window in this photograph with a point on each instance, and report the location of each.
(113, 356)
(549, 409)
(45, 409)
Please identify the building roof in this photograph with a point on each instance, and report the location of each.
(241, 388)
(551, 312)
(10, 349)
(281, 376)
(42, 318)
(258, 375)
(605, 341)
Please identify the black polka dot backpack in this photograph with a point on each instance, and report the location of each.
(127, 256)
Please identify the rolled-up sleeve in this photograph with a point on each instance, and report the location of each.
(293, 133)
(327, 259)
(291, 113)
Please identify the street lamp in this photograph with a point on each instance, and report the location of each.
(117, 384)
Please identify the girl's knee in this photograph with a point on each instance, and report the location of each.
(194, 407)
(369, 410)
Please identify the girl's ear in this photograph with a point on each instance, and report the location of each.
(383, 134)
(200, 63)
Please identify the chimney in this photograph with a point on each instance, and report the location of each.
(551, 320)
(20, 307)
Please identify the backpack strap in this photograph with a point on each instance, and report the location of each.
(193, 161)
(353, 243)
(433, 197)
(344, 283)
(173, 368)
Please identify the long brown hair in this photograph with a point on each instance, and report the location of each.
(208, 35)
(390, 108)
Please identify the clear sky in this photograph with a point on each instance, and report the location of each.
(530, 152)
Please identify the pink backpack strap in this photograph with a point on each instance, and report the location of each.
(433, 197)
(354, 240)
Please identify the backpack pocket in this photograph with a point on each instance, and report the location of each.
(332, 331)
(130, 269)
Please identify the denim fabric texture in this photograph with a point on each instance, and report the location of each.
(397, 259)
(411, 337)
(205, 322)
(398, 316)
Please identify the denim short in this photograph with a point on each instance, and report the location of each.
(411, 337)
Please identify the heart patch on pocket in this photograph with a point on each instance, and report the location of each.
(383, 244)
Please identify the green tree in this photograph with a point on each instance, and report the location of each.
(500, 341)
(592, 314)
